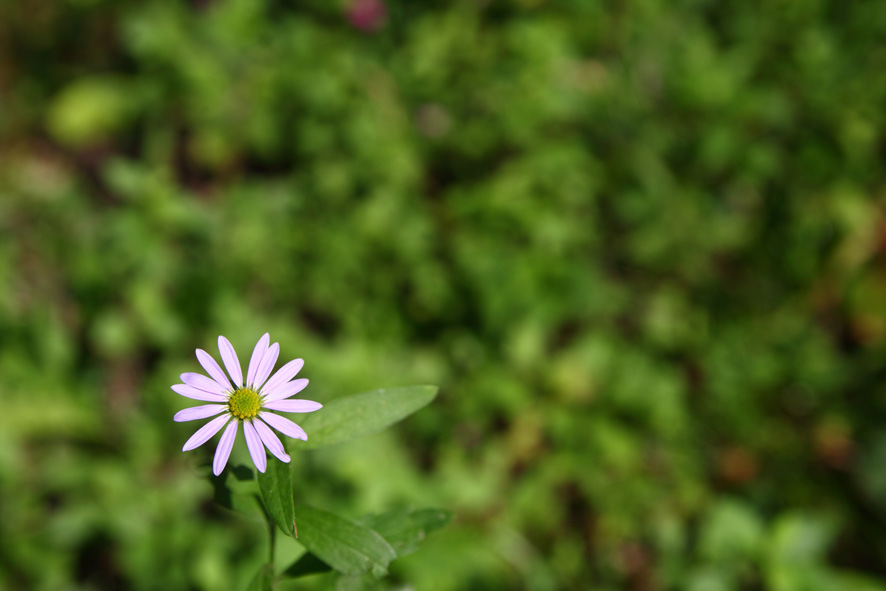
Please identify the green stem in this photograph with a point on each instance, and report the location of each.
(272, 532)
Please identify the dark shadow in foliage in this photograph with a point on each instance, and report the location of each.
(221, 493)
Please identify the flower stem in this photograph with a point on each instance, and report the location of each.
(271, 531)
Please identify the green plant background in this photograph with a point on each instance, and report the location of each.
(641, 246)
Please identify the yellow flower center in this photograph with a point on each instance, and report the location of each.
(244, 403)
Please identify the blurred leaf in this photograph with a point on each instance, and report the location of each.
(797, 554)
(264, 579)
(356, 583)
(89, 109)
(731, 531)
(235, 489)
(363, 414)
(405, 530)
(801, 539)
(346, 546)
(709, 579)
(276, 491)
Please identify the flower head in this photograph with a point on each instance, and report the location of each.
(249, 402)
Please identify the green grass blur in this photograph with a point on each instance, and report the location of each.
(641, 246)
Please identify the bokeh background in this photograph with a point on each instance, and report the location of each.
(640, 245)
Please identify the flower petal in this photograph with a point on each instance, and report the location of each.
(205, 433)
(294, 405)
(271, 441)
(189, 392)
(256, 449)
(229, 356)
(198, 412)
(201, 382)
(286, 390)
(213, 369)
(283, 375)
(223, 451)
(257, 354)
(267, 365)
(283, 425)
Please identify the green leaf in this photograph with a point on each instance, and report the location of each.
(348, 547)
(363, 414)
(263, 580)
(90, 109)
(276, 492)
(406, 530)
(351, 583)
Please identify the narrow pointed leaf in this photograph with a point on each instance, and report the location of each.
(363, 414)
(347, 547)
(276, 493)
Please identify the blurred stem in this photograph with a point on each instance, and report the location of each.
(271, 529)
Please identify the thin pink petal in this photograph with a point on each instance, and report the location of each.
(198, 412)
(283, 375)
(286, 390)
(294, 405)
(284, 425)
(229, 356)
(267, 365)
(223, 451)
(256, 449)
(257, 354)
(271, 441)
(213, 369)
(201, 382)
(189, 392)
(205, 433)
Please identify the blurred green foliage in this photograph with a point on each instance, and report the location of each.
(640, 245)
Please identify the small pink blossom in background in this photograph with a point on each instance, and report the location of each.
(248, 403)
(367, 15)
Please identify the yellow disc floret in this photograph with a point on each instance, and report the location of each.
(244, 403)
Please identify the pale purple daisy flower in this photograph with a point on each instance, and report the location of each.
(248, 402)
